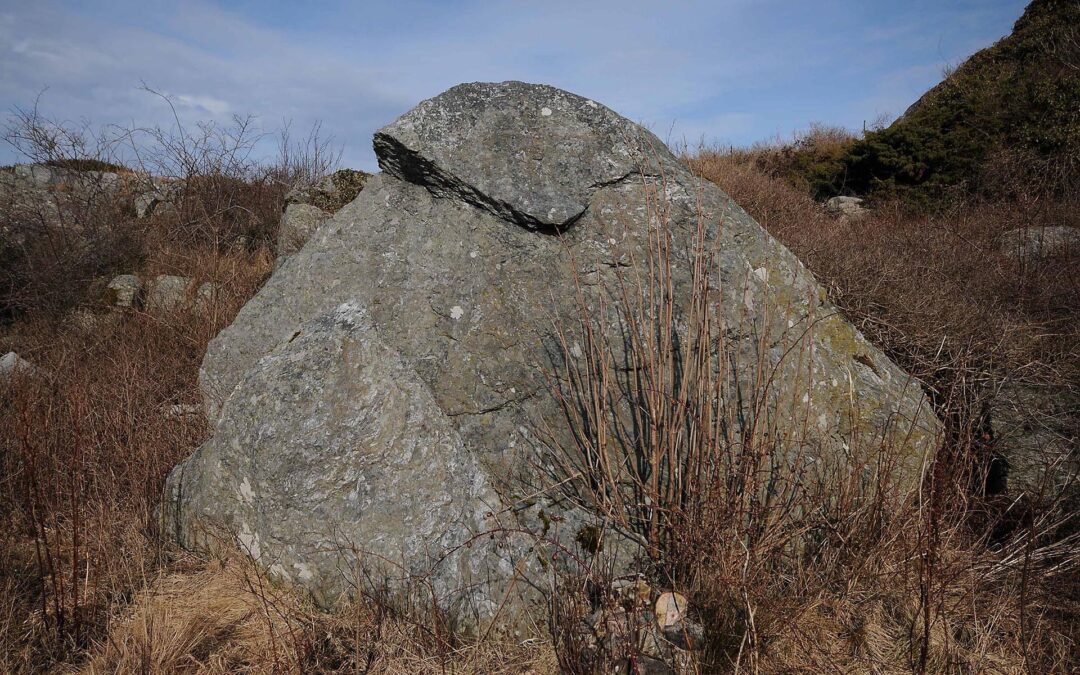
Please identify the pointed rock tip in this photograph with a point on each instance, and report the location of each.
(530, 153)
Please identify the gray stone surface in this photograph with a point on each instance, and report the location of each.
(124, 290)
(206, 293)
(846, 207)
(166, 293)
(156, 196)
(332, 192)
(449, 258)
(1034, 430)
(33, 196)
(1031, 244)
(532, 154)
(376, 476)
(12, 365)
(297, 225)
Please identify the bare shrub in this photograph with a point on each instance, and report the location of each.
(88, 443)
(787, 570)
(211, 187)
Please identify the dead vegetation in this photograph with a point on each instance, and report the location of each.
(824, 577)
(794, 571)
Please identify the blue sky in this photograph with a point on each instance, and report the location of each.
(725, 71)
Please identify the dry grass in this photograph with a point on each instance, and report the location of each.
(87, 447)
(222, 616)
(794, 571)
(834, 580)
(911, 281)
(86, 582)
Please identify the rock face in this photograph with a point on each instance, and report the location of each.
(33, 195)
(389, 386)
(535, 165)
(378, 468)
(309, 206)
(298, 223)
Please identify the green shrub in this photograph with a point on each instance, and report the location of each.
(1017, 98)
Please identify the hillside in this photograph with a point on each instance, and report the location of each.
(1007, 118)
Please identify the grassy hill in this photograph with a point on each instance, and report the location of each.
(1007, 119)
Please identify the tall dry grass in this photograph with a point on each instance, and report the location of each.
(785, 576)
(87, 583)
(789, 572)
(90, 435)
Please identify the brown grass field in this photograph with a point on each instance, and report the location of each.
(954, 578)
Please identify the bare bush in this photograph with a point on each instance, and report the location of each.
(786, 570)
(87, 444)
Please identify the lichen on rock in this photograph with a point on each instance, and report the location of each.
(390, 385)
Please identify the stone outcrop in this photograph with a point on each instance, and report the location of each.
(386, 397)
(846, 207)
(298, 223)
(168, 293)
(156, 196)
(1032, 244)
(309, 206)
(124, 291)
(35, 195)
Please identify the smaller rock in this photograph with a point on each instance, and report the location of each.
(670, 609)
(123, 291)
(180, 411)
(167, 293)
(298, 223)
(156, 198)
(846, 207)
(91, 322)
(208, 290)
(332, 193)
(1029, 244)
(12, 365)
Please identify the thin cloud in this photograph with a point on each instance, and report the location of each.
(725, 70)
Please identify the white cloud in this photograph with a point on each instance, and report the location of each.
(208, 104)
(721, 70)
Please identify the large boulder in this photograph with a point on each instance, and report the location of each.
(392, 382)
(343, 447)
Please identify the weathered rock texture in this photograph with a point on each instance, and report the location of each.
(309, 206)
(125, 290)
(388, 387)
(846, 207)
(332, 192)
(35, 195)
(298, 223)
(168, 293)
